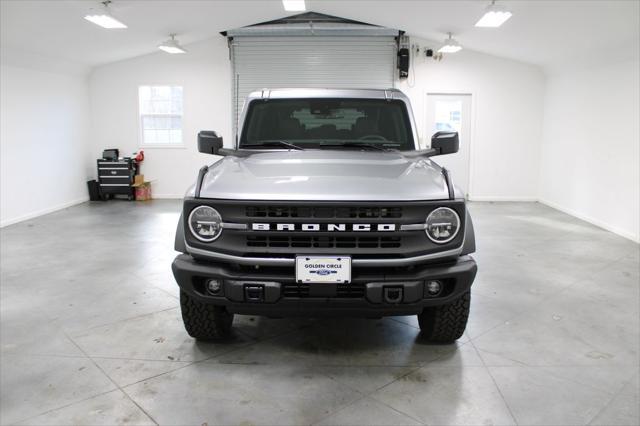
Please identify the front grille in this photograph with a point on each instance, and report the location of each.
(322, 242)
(329, 212)
(344, 291)
(285, 229)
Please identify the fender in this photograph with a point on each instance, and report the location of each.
(469, 236)
(179, 245)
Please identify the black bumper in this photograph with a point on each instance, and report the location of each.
(275, 293)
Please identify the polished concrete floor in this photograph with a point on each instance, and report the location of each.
(91, 334)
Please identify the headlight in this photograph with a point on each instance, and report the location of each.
(443, 225)
(205, 223)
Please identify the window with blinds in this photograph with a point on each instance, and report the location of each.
(160, 116)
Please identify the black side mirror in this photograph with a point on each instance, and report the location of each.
(445, 143)
(209, 142)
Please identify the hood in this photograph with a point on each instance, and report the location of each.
(322, 175)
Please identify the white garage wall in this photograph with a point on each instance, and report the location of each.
(43, 136)
(507, 102)
(590, 152)
(507, 96)
(204, 73)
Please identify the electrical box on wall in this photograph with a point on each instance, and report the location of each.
(404, 50)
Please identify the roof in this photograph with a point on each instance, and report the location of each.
(311, 24)
(301, 93)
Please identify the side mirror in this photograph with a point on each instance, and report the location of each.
(445, 143)
(209, 142)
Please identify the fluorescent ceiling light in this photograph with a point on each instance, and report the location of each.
(294, 5)
(172, 46)
(102, 16)
(495, 16)
(450, 45)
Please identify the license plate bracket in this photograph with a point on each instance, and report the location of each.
(323, 269)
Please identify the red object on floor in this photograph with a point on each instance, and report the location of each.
(143, 191)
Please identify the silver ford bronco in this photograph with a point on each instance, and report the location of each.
(326, 206)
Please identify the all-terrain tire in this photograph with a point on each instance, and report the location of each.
(204, 321)
(446, 323)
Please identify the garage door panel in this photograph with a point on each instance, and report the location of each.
(307, 61)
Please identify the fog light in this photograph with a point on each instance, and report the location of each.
(434, 288)
(214, 286)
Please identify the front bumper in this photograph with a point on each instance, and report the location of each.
(274, 292)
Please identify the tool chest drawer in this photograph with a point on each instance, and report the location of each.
(107, 172)
(110, 165)
(115, 180)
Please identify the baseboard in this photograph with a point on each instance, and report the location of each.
(168, 196)
(502, 198)
(43, 212)
(623, 233)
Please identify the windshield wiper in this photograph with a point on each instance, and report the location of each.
(354, 145)
(274, 142)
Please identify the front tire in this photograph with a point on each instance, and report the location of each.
(446, 323)
(204, 321)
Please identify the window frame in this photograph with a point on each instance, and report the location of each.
(141, 141)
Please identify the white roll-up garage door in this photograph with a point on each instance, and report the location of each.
(308, 61)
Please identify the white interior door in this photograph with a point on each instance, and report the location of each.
(452, 112)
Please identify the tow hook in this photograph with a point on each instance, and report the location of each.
(393, 294)
(254, 293)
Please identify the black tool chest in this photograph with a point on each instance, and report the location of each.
(116, 177)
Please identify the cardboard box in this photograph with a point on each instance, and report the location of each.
(138, 180)
(143, 191)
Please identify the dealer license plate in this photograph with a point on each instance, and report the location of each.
(316, 269)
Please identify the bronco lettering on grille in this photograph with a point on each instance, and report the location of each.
(329, 227)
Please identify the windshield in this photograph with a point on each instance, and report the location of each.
(318, 123)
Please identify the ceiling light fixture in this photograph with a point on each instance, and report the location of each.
(172, 46)
(102, 16)
(294, 5)
(450, 45)
(494, 16)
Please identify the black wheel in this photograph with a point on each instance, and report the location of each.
(446, 323)
(204, 321)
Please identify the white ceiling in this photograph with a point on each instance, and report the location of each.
(548, 33)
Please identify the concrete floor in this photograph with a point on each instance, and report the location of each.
(91, 334)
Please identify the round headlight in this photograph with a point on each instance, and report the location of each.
(205, 223)
(443, 225)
